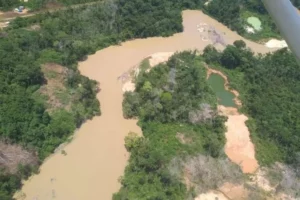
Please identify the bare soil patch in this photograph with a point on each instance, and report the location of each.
(211, 195)
(11, 155)
(55, 76)
(183, 139)
(159, 57)
(234, 192)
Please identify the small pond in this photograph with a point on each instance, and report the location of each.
(255, 22)
(225, 97)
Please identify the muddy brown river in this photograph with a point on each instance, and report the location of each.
(96, 157)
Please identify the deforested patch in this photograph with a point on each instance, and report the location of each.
(13, 155)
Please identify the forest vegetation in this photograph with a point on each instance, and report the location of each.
(26, 118)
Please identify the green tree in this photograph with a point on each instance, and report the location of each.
(240, 44)
(231, 58)
(132, 140)
(211, 54)
(147, 87)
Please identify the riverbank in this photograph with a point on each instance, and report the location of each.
(96, 158)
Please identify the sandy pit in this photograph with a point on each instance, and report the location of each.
(239, 147)
(96, 157)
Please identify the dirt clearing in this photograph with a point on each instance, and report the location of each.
(12, 155)
(54, 90)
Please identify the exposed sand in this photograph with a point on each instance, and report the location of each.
(227, 191)
(259, 178)
(96, 157)
(234, 192)
(159, 57)
(128, 86)
(250, 29)
(239, 147)
(273, 43)
(213, 195)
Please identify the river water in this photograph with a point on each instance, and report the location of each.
(96, 157)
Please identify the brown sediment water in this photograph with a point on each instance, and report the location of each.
(96, 157)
